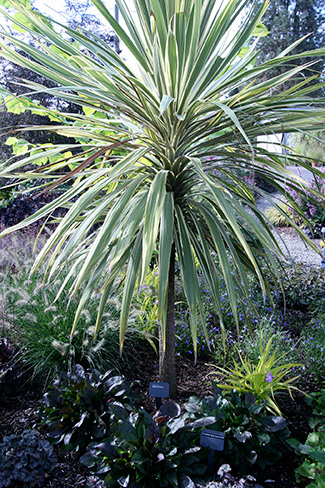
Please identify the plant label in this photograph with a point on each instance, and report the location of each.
(158, 389)
(213, 439)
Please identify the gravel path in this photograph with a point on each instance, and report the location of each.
(291, 243)
(294, 247)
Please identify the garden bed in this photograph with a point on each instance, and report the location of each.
(20, 413)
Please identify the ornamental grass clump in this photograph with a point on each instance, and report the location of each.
(281, 215)
(39, 324)
(264, 380)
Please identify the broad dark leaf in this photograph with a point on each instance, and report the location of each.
(113, 382)
(140, 456)
(118, 410)
(193, 405)
(152, 433)
(128, 432)
(81, 421)
(274, 424)
(186, 482)
(107, 449)
(90, 394)
(249, 399)
(88, 460)
(251, 457)
(99, 429)
(124, 481)
(169, 408)
(203, 422)
(318, 456)
(243, 437)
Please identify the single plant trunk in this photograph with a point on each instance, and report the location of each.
(167, 369)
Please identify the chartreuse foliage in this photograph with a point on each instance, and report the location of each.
(160, 143)
(264, 379)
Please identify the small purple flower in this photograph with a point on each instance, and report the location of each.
(156, 302)
(269, 377)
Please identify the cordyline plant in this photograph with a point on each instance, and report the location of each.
(159, 149)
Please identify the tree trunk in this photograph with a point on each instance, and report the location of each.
(167, 369)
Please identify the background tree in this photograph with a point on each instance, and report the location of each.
(79, 16)
(12, 78)
(288, 21)
(164, 139)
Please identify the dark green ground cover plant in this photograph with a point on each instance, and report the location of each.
(152, 133)
(313, 466)
(303, 288)
(254, 438)
(79, 408)
(25, 460)
(317, 401)
(313, 344)
(223, 335)
(149, 451)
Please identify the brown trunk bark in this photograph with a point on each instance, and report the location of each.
(167, 368)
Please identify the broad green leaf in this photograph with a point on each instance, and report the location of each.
(11, 141)
(260, 30)
(17, 105)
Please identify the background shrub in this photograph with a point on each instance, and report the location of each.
(313, 207)
(277, 218)
(19, 206)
